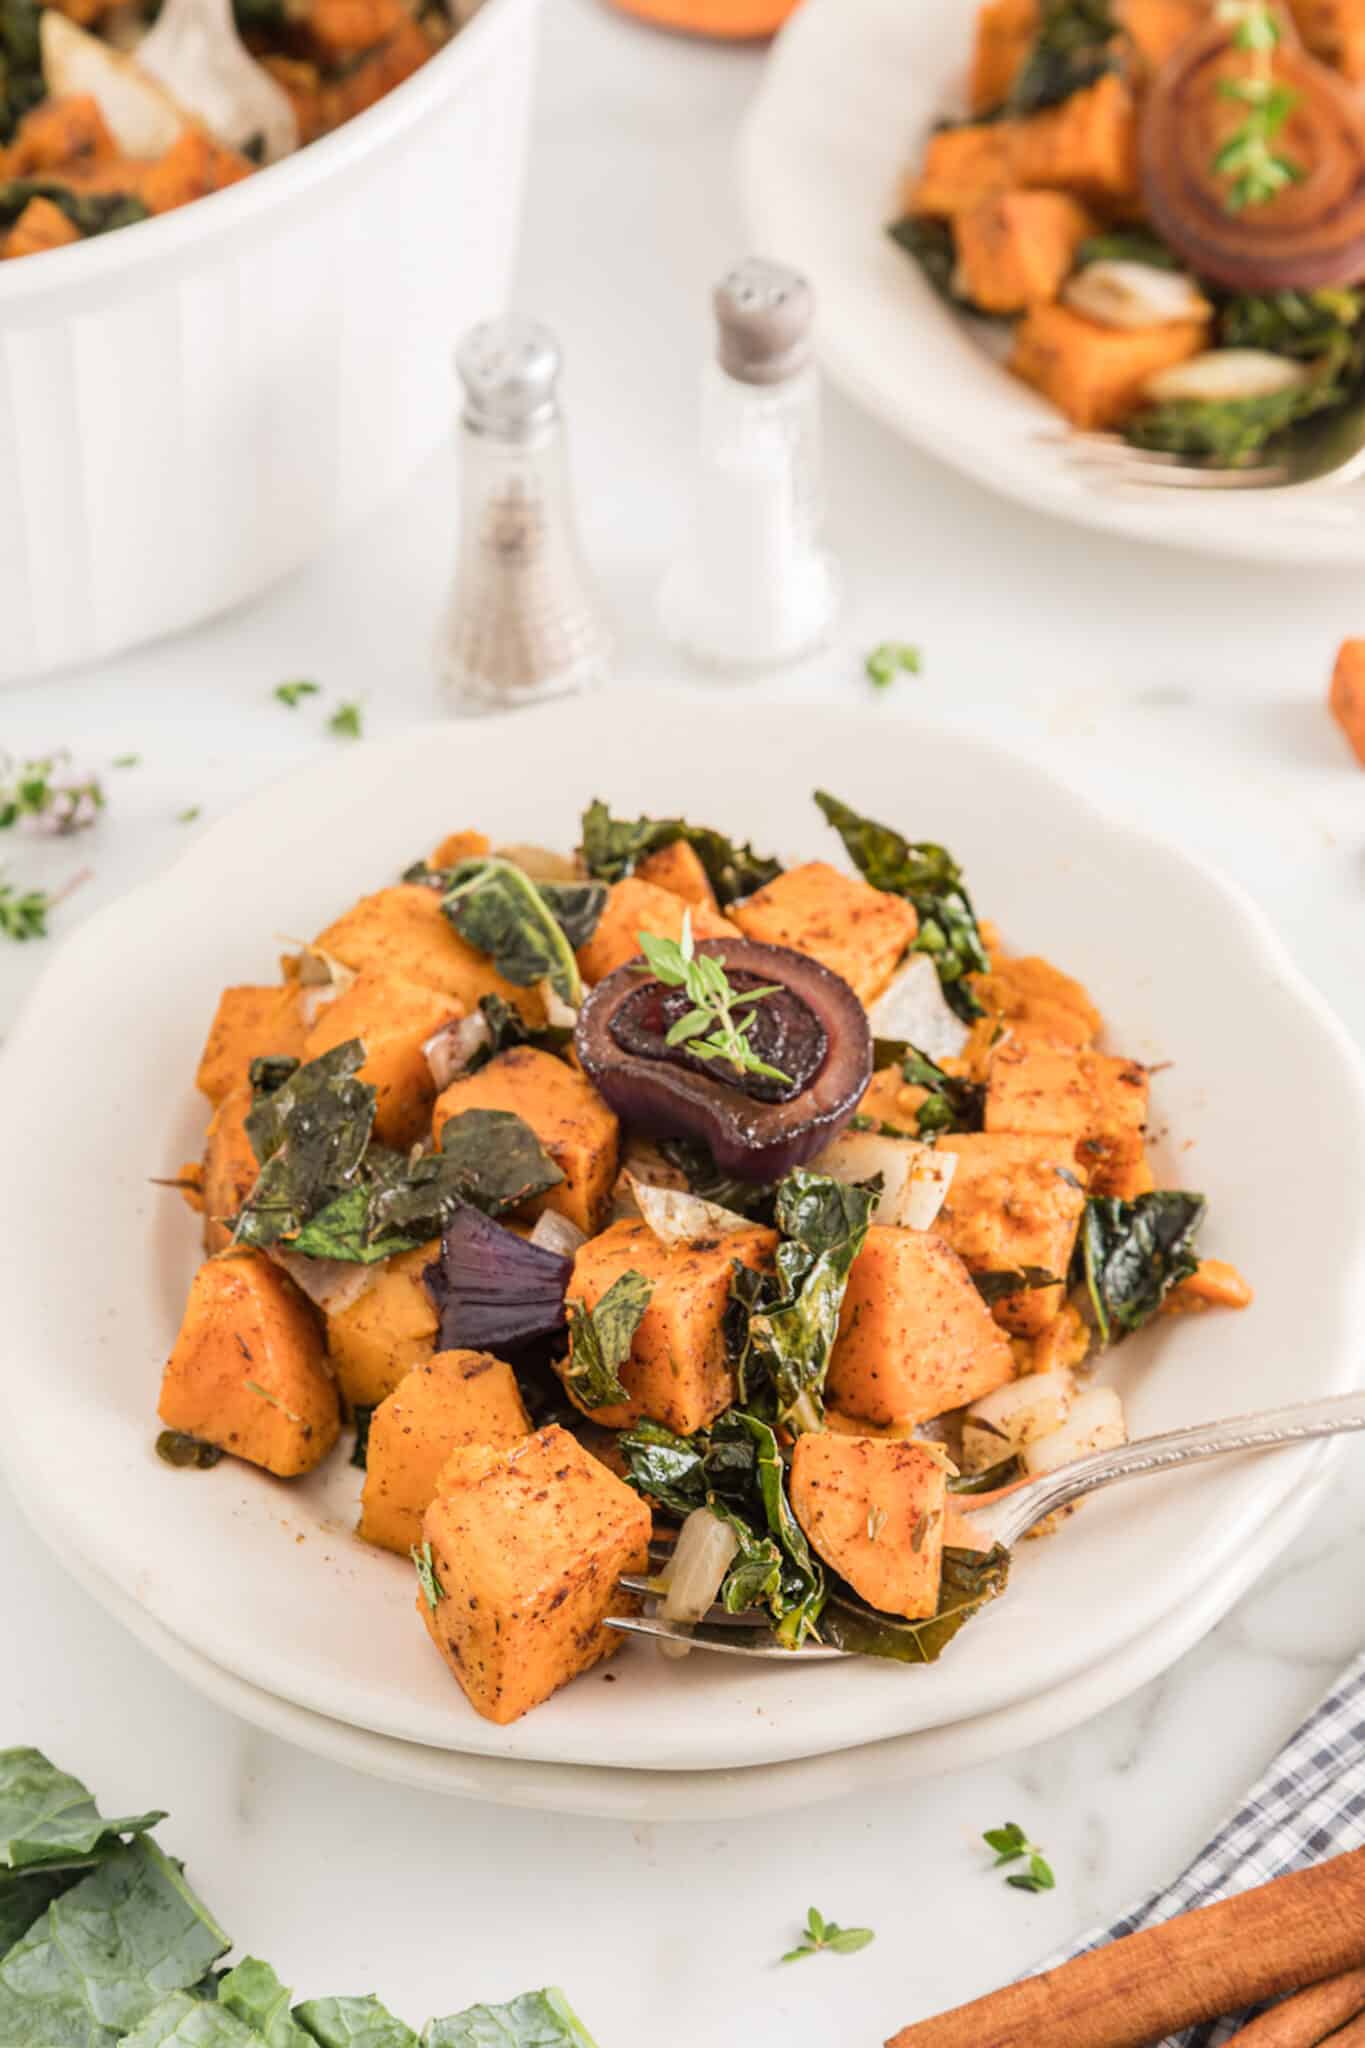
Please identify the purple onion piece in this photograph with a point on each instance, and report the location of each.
(492, 1289)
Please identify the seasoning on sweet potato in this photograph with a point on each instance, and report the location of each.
(62, 134)
(1014, 1202)
(858, 932)
(526, 1548)
(248, 1371)
(634, 906)
(393, 1019)
(403, 931)
(678, 868)
(915, 1338)
(1005, 30)
(873, 1510)
(41, 225)
(1346, 700)
(248, 1023)
(677, 1372)
(566, 1113)
(1016, 249)
(377, 1339)
(1052, 1091)
(229, 1167)
(1096, 375)
(455, 1398)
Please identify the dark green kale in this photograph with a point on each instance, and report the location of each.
(927, 876)
(600, 1339)
(1075, 46)
(952, 1104)
(993, 1287)
(529, 930)
(1233, 432)
(930, 243)
(309, 1129)
(755, 1199)
(970, 1579)
(1289, 323)
(360, 1449)
(781, 1326)
(1127, 245)
(614, 847)
(92, 213)
(21, 65)
(1129, 1256)
(188, 1453)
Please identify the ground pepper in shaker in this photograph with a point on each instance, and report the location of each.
(523, 623)
(752, 584)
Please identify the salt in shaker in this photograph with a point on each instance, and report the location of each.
(752, 584)
(523, 622)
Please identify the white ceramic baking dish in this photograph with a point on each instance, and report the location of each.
(192, 406)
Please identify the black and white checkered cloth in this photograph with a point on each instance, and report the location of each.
(1309, 1805)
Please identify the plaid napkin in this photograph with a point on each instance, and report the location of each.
(1309, 1805)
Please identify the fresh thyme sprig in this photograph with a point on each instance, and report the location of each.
(714, 1003)
(1010, 1844)
(293, 693)
(1257, 170)
(24, 913)
(30, 791)
(889, 660)
(820, 1933)
(345, 721)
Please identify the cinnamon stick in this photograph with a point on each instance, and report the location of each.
(1297, 1930)
(1308, 2017)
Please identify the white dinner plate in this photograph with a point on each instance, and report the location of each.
(846, 101)
(1263, 1104)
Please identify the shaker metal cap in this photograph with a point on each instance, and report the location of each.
(509, 369)
(764, 313)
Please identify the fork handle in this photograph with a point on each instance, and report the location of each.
(1007, 1519)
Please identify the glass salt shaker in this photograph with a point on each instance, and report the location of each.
(523, 623)
(753, 584)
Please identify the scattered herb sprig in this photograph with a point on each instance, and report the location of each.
(820, 1933)
(346, 722)
(1258, 172)
(294, 693)
(433, 1592)
(1012, 1845)
(889, 660)
(677, 964)
(35, 792)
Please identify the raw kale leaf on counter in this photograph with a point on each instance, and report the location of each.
(538, 2019)
(51, 1836)
(614, 847)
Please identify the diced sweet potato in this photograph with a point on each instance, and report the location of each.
(1346, 700)
(1093, 374)
(915, 1338)
(389, 1329)
(527, 1546)
(403, 931)
(1214, 1284)
(1064, 1343)
(1035, 1003)
(248, 1371)
(303, 83)
(248, 1023)
(230, 1167)
(1087, 144)
(961, 167)
(1334, 30)
(66, 133)
(386, 66)
(857, 932)
(1156, 28)
(41, 225)
(393, 1019)
(193, 166)
(889, 1099)
(458, 846)
(677, 1372)
(566, 1113)
(678, 868)
(634, 906)
(1017, 248)
(873, 1510)
(1013, 1202)
(344, 28)
(456, 1398)
(1005, 30)
(1047, 1091)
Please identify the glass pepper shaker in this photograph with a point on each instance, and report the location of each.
(523, 623)
(753, 583)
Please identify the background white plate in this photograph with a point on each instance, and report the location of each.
(1265, 1102)
(848, 97)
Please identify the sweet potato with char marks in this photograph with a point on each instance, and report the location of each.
(249, 1023)
(248, 1371)
(526, 1548)
(567, 1114)
(378, 1338)
(404, 931)
(41, 225)
(1016, 249)
(1014, 1202)
(456, 1398)
(634, 906)
(873, 1510)
(1097, 375)
(678, 868)
(230, 1167)
(915, 1338)
(393, 1019)
(858, 932)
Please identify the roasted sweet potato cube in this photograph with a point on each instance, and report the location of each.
(961, 167)
(41, 225)
(566, 1113)
(456, 1398)
(678, 868)
(248, 1023)
(362, 84)
(1096, 375)
(458, 846)
(393, 1019)
(1213, 1284)
(527, 1546)
(67, 133)
(229, 1168)
(346, 28)
(1036, 1003)
(1005, 31)
(1156, 28)
(873, 1510)
(634, 906)
(1086, 145)
(1346, 700)
(857, 932)
(248, 1371)
(915, 1338)
(889, 1099)
(378, 1338)
(1050, 1091)
(1014, 1202)
(677, 1371)
(404, 931)
(1016, 249)
(1115, 1163)
(191, 168)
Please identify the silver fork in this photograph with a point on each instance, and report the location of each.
(1326, 450)
(1003, 1518)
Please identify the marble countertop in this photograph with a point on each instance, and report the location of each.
(1182, 693)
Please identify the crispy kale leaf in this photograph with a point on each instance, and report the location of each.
(1232, 432)
(92, 213)
(927, 876)
(993, 1287)
(931, 244)
(970, 1579)
(538, 2019)
(1289, 323)
(1127, 245)
(529, 930)
(952, 1105)
(309, 1129)
(21, 65)
(751, 1198)
(614, 847)
(1129, 1255)
(600, 1340)
(1074, 47)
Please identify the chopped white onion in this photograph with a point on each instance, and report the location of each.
(914, 1179)
(313, 1001)
(448, 1051)
(323, 970)
(555, 1233)
(541, 863)
(703, 1554)
(926, 1190)
(1133, 295)
(913, 1007)
(143, 118)
(1227, 374)
(1014, 1416)
(332, 1284)
(677, 1217)
(1095, 1424)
